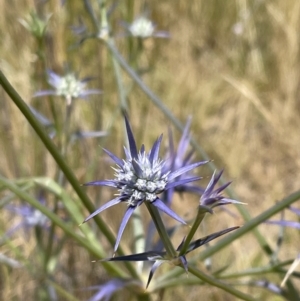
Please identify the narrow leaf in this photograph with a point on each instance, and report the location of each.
(204, 240)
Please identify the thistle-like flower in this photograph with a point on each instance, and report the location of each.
(140, 178)
(67, 86)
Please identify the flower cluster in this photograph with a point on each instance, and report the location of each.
(144, 177)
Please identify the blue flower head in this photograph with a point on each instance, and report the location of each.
(140, 178)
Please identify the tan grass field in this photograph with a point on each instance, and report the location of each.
(234, 66)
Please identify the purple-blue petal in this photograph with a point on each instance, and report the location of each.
(131, 141)
(155, 150)
(188, 158)
(162, 34)
(109, 183)
(124, 222)
(164, 208)
(44, 93)
(90, 92)
(190, 188)
(184, 141)
(104, 207)
(114, 157)
(106, 290)
(184, 169)
(53, 78)
(210, 186)
(182, 182)
(171, 144)
(221, 188)
(295, 210)
(137, 168)
(291, 224)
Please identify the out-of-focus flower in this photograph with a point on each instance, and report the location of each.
(31, 217)
(141, 177)
(286, 223)
(144, 28)
(10, 262)
(292, 224)
(106, 290)
(35, 25)
(272, 287)
(160, 257)
(213, 197)
(67, 86)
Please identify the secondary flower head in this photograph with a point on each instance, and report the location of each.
(213, 197)
(67, 86)
(141, 177)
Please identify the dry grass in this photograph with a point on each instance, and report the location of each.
(233, 65)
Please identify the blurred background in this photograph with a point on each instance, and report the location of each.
(232, 65)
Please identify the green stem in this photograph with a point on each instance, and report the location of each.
(202, 210)
(224, 286)
(55, 219)
(19, 102)
(61, 179)
(139, 235)
(278, 268)
(163, 234)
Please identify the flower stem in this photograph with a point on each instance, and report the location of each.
(215, 282)
(202, 210)
(163, 234)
